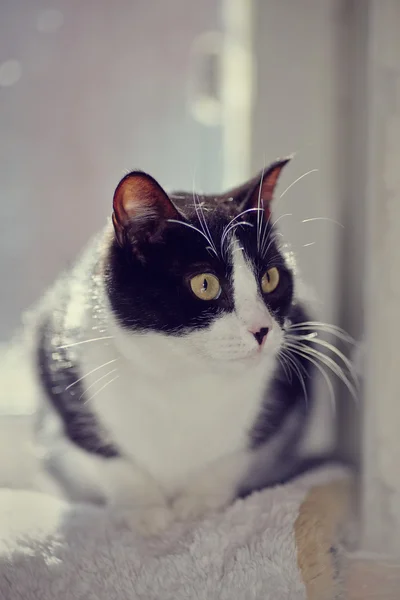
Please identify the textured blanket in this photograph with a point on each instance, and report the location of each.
(281, 543)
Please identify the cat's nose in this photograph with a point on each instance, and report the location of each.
(260, 335)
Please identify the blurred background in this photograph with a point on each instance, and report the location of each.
(198, 94)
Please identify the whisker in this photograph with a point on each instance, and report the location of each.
(271, 241)
(274, 257)
(265, 232)
(334, 350)
(203, 222)
(296, 180)
(323, 219)
(106, 337)
(234, 227)
(197, 206)
(323, 324)
(259, 222)
(90, 372)
(326, 327)
(300, 366)
(243, 213)
(227, 227)
(281, 217)
(101, 389)
(266, 237)
(238, 225)
(331, 364)
(296, 365)
(284, 364)
(96, 382)
(309, 244)
(195, 229)
(323, 373)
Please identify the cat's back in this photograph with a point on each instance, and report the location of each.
(60, 311)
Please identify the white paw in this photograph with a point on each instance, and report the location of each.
(192, 506)
(147, 520)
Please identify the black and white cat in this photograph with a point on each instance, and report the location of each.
(173, 358)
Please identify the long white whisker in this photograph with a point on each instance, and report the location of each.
(203, 222)
(101, 389)
(90, 372)
(266, 237)
(197, 206)
(274, 257)
(264, 232)
(281, 217)
(319, 324)
(334, 350)
(97, 381)
(244, 212)
(272, 239)
(296, 365)
(326, 327)
(300, 366)
(229, 229)
(284, 364)
(259, 222)
(323, 219)
(323, 373)
(228, 226)
(106, 337)
(331, 364)
(296, 180)
(234, 227)
(194, 229)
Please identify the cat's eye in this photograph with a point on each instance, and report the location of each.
(270, 280)
(205, 286)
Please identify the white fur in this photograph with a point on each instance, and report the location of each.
(180, 410)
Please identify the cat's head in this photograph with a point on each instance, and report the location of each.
(205, 272)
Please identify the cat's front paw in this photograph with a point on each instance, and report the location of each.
(148, 521)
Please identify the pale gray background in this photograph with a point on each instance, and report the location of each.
(109, 89)
(106, 92)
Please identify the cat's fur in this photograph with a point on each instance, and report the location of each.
(175, 408)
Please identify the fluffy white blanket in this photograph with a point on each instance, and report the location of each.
(279, 544)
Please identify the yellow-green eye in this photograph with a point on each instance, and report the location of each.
(205, 286)
(270, 280)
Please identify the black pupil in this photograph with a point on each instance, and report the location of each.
(268, 277)
(205, 285)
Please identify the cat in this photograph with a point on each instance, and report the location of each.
(173, 358)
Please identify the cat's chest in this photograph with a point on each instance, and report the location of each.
(177, 425)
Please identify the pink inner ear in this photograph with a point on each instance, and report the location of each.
(268, 184)
(264, 191)
(135, 198)
(139, 196)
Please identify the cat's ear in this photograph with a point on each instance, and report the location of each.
(141, 208)
(263, 187)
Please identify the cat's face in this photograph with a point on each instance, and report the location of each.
(206, 273)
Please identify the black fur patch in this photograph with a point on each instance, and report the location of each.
(58, 377)
(153, 293)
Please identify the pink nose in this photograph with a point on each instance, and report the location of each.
(260, 335)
